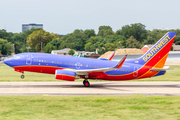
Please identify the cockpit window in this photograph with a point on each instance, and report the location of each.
(16, 57)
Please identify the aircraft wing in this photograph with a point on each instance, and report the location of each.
(110, 57)
(86, 71)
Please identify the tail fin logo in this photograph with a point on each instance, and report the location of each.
(156, 48)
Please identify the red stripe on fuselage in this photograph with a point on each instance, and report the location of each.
(39, 69)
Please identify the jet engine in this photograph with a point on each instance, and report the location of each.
(65, 75)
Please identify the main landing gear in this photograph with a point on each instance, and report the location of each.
(86, 83)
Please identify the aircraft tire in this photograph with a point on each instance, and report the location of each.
(22, 76)
(86, 83)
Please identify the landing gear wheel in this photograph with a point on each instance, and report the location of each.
(86, 83)
(22, 76)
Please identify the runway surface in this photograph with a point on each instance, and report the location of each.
(96, 88)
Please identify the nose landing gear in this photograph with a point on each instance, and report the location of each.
(86, 83)
(22, 76)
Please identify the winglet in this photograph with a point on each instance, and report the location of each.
(120, 63)
(111, 56)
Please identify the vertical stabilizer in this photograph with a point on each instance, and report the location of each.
(157, 55)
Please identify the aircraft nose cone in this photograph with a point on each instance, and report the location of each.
(7, 61)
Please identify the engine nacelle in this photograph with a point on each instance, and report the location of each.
(65, 75)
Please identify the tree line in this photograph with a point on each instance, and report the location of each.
(129, 36)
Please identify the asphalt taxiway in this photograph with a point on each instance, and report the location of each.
(96, 88)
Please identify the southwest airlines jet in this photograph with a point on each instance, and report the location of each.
(68, 67)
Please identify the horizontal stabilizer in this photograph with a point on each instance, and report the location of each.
(161, 69)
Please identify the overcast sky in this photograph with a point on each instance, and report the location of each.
(64, 16)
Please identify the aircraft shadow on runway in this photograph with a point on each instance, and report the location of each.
(92, 86)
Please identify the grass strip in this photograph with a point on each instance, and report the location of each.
(134, 107)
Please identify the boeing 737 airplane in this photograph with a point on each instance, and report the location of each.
(68, 67)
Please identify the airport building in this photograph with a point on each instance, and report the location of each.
(29, 26)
